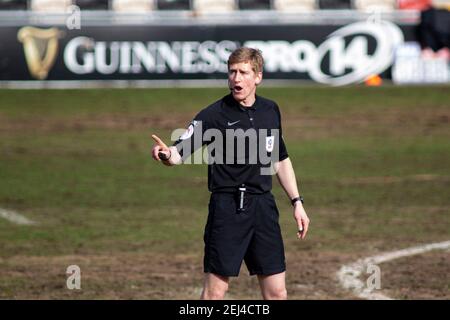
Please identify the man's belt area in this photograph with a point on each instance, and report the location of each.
(242, 190)
(241, 193)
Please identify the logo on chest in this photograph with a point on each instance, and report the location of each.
(270, 141)
(232, 123)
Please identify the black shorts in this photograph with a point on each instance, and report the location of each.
(253, 235)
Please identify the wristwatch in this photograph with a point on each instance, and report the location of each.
(293, 201)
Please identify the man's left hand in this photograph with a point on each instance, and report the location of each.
(302, 220)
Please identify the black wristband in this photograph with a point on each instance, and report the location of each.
(164, 157)
(293, 201)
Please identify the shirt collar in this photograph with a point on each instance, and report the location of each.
(253, 107)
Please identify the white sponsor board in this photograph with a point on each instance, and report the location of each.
(411, 68)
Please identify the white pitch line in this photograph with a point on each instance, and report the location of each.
(15, 217)
(349, 274)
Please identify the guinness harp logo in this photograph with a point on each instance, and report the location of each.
(40, 47)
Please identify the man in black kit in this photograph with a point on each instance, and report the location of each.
(245, 147)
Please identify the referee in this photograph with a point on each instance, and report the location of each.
(241, 131)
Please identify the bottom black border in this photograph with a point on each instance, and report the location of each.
(236, 309)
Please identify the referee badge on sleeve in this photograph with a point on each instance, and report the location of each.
(270, 141)
(188, 133)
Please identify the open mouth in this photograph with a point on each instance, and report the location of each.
(237, 89)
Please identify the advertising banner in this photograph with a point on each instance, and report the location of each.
(327, 54)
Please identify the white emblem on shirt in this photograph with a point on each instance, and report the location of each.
(269, 143)
(232, 123)
(188, 133)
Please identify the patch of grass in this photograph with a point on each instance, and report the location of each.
(95, 190)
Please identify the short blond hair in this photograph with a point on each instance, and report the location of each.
(245, 54)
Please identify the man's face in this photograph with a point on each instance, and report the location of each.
(242, 81)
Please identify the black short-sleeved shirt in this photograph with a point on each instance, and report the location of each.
(251, 141)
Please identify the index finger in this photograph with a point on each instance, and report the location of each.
(159, 141)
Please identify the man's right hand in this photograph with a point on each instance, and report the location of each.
(160, 147)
